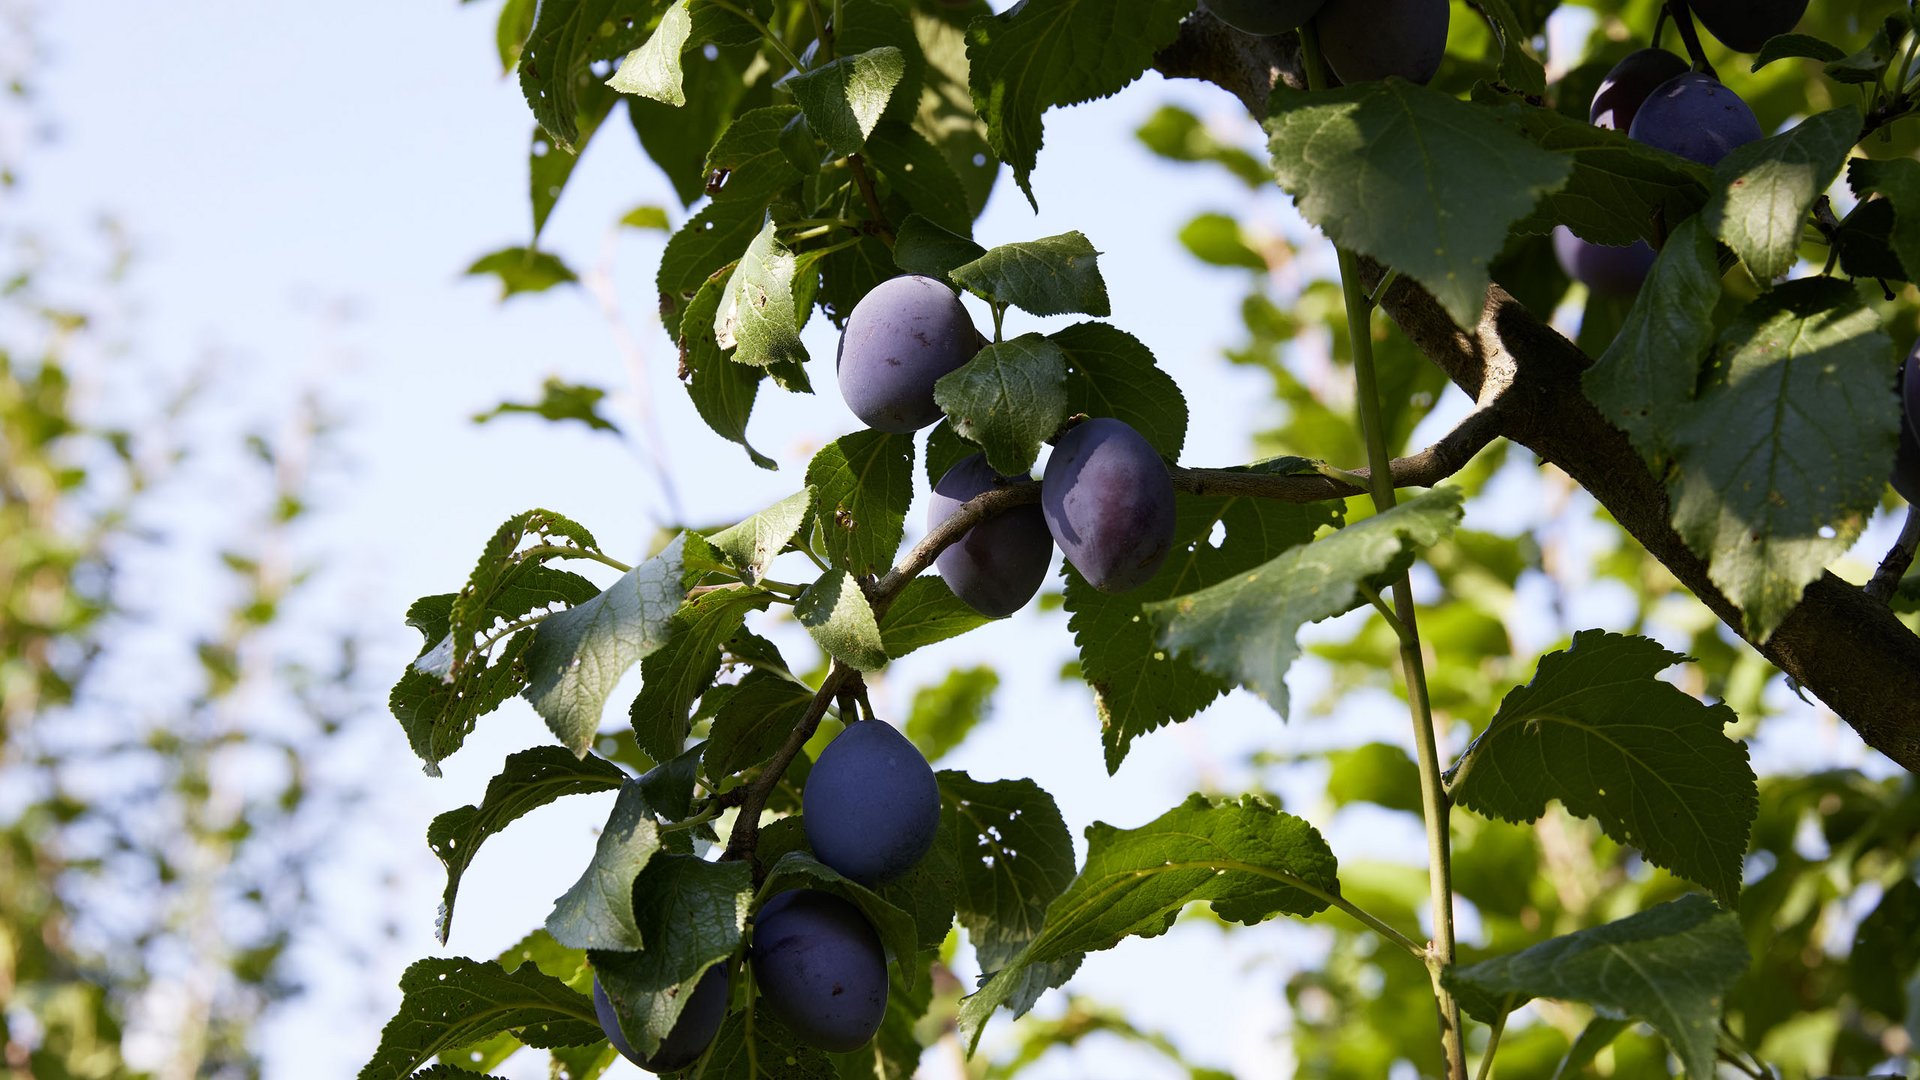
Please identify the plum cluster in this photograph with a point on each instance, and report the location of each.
(1361, 40)
(1655, 98)
(1106, 498)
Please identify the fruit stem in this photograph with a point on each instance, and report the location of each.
(1690, 36)
(1493, 1044)
(1886, 580)
(1433, 798)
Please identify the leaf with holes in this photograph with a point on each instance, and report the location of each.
(1015, 857)
(567, 36)
(758, 316)
(862, 484)
(1598, 730)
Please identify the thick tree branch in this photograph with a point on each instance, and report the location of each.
(1846, 648)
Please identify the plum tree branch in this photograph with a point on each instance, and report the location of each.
(1848, 649)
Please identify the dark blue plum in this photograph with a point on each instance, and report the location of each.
(698, 1023)
(1372, 39)
(901, 338)
(871, 804)
(820, 968)
(1263, 16)
(1694, 116)
(1604, 268)
(1906, 463)
(1108, 501)
(1628, 86)
(1001, 562)
(1745, 25)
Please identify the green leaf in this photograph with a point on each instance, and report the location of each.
(758, 312)
(683, 667)
(1412, 177)
(1056, 275)
(923, 247)
(678, 138)
(529, 779)
(1617, 190)
(753, 721)
(1803, 46)
(1378, 773)
(1041, 55)
(916, 171)
(1886, 952)
(578, 655)
(559, 400)
(1870, 64)
(597, 911)
(1598, 730)
(1645, 379)
(1784, 456)
(862, 484)
(549, 167)
(1248, 860)
(1137, 685)
(799, 870)
(750, 156)
(1519, 70)
(1008, 399)
(944, 112)
(1770, 186)
(1178, 135)
(925, 612)
(647, 217)
(844, 99)
(1014, 855)
(926, 894)
(1246, 628)
(722, 391)
(764, 1050)
(510, 31)
(707, 241)
(835, 611)
(1216, 239)
(752, 544)
(567, 36)
(1898, 181)
(653, 69)
(943, 714)
(523, 270)
(693, 914)
(1110, 373)
(1670, 965)
(452, 1002)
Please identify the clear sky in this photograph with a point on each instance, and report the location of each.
(305, 183)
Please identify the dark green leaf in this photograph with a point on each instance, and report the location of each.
(1057, 275)
(1784, 456)
(1110, 373)
(750, 155)
(1014, 855)
(693, 915)
(1805, 46)
(1519, 70)
(1246, 627)
(523, 270)
(926, 611)
(678, 138)
(453, 1002)
(1897, 181)
(943, 714)
(567, 36)
(862, 484)
(1137, 685)
(835, 611)
(1870, 64)
(844, 99)
(1646, 377)
(754, 721)
(764, 1051)
(1618, 190)
(597, 911)
(1042, 55)
(1248, 860)
(722, 390)
(529, 779)
(917, 172)
(559, 400)
(922, 247)
(1599, 731)
(578, 655)
(683, 667)
(1412, 177)
(1670, 966)
(1770, 186)
(799, 870)
(1886, 952)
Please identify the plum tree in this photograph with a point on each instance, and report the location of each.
(1109, 503)
(1372, 39)
(1694, 116)
(1628, 86)
(1001, 562)
(900, 339)
(698, 1023)
(820, 969)
(1906, 462)
(1613, 270)
(1745, 25)
(871, 805)
(1264, 16)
